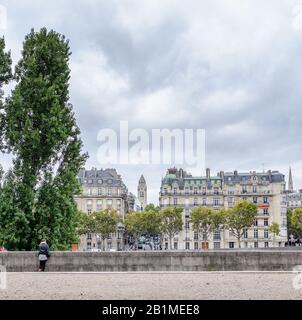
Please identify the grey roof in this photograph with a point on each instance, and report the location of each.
(103, 177)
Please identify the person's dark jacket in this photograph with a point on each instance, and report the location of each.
(44, 249)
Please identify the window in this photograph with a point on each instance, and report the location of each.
(255, 199)
(246, 244)
(166, 246)
(231, 245)
(216, 190)
(175, 245)
(195, 190)
(174, 191)
(256, 223)
(195, 202)
(265, 244)
(99, 191)
(217, 235)
(254, 189)
(216, 202)
(195, 235)
(265, 222)
(195, 245)
(265, 212)
(265, 200)
(99, 245)
(230, 200)
(89, 211)
(204, 191)
(88, 236)
(88, 245)
(175, 201)
(186, 190)
(99, 204)
(256, 233)
(187, 245)
(255, 244)
(109, 203)
(204, 201)
(109, 192)
(266, 234)
(187, 225)
(245, 233)
(216, 245)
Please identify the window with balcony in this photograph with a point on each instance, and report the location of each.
(195, 202)
(254, 189)
(216, 201)
(265, 212)
(265, 199)
(255, 199)
(216, 245)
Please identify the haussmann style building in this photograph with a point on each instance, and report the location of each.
(181, 189)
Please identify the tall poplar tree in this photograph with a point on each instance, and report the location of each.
(41, 132)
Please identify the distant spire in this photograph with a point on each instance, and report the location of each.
(290, 181)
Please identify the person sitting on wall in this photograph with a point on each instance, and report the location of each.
(43, 254)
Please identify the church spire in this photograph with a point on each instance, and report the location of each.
(290, 181)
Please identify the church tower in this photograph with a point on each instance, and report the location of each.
(290, 186)
(142, 193)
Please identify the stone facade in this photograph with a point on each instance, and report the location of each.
(181, 189)
(102, 189)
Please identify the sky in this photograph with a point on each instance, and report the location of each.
(231, 67)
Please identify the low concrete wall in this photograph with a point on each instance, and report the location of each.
(209, 260)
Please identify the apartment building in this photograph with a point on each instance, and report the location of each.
(181, 189)
(102, 189)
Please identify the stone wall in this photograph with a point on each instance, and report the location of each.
(209, 260)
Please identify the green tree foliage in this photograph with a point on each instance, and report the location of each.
(295, 220)
(240, 217)
(171, 223)
(275, 230)
(40, 130)
(102, 223)
(206, 220)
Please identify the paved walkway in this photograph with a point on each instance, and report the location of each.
(165, 285)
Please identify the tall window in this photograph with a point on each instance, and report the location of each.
(195, 235)
(99, 191)
(231, 245)
(266, 234)
(256, 233)
(195, 190)
(216, 202)
(265, 222)
(187, 245)
(204, 201)
(256, 223)
(255, 199)
(254, 189)
(195, 202)
(245, 233)
(175, 201)
(265, 212)
(175, 190)
(216, 245)
(265, 199)
(195, 245)
(187, 224)
(109, 192)
(217, 235)
(175, 245)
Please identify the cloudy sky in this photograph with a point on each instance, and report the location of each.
(231, 67)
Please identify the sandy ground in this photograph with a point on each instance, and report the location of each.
(165, 285)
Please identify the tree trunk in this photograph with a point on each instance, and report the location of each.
(103, 244)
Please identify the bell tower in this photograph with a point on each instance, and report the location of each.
(142, 193)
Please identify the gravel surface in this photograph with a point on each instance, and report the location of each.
(164, 285)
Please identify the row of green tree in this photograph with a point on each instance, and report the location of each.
(39, 131)
(168, 222)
